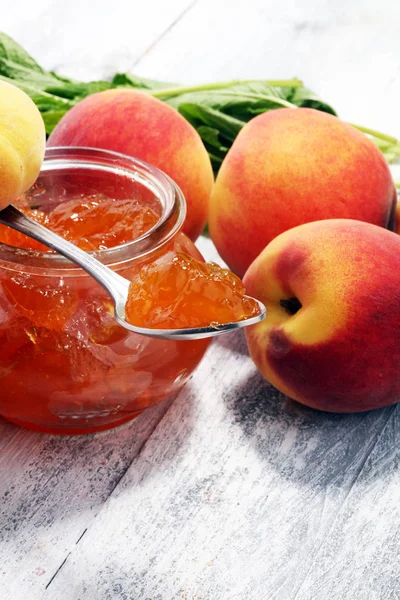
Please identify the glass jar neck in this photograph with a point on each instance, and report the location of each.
(67, 161)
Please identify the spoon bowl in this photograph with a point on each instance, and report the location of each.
(115, 285)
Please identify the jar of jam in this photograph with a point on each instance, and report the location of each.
(66, 366)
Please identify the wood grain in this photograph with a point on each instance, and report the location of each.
(349, 54)
(241, 494)
(51, 489)
(87, 40)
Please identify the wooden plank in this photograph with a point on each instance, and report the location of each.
(240, 493)
(51, 489)
(7, 432)
(86, 40)
(349, 55)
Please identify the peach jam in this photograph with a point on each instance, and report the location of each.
(66, 366)
(173, 290)
(176, 291)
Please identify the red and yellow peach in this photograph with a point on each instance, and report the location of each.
(332, 293)
(134, 123)
(289, 167)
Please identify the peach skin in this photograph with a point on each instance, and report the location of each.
(133, 122)
(332, 293)
(397, 214)
(22, 143)
(293, 166)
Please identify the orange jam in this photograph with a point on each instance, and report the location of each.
(172, 291)
(176, 290)
(92, 222)
(66, 366)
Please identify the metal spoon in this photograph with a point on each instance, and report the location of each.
(116, 286)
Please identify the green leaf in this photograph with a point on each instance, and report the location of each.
(201, 114)
(215, 145)
(210, 88)
(11, 51)
(304, 97)
(61, 78)
(241, 101)
(21, 73)
(41, 98)
(129, 80)
(211, 136)
(51, 118)
(78, 90)
(217, 160)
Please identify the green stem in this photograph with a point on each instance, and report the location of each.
(275, 99)
(215, 158)
(177, 91)
(377, 134)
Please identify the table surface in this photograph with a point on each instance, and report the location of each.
(229, 491)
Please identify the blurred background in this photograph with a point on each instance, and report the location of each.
(348, 52)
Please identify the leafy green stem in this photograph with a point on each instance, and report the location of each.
(177, 91)
(262, 97)
(377, 134)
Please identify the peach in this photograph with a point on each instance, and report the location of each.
(331, 336)
(397, 227)
(133, 122)
(293, 166)
(22, 143)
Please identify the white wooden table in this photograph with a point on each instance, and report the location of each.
(230, 491)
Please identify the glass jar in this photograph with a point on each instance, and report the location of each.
(66, 366)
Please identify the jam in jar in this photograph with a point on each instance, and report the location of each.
(66, 366)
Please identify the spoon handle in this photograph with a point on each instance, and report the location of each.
(113, 283)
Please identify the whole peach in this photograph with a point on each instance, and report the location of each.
(134, 123)
(293, 166)
(22, 143)
(331, 336)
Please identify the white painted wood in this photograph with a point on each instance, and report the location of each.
(51, 489)
(89, 39)
(242, 495)
(348, 52)
(237, 494)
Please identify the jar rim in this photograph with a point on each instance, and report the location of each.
(172, 202)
